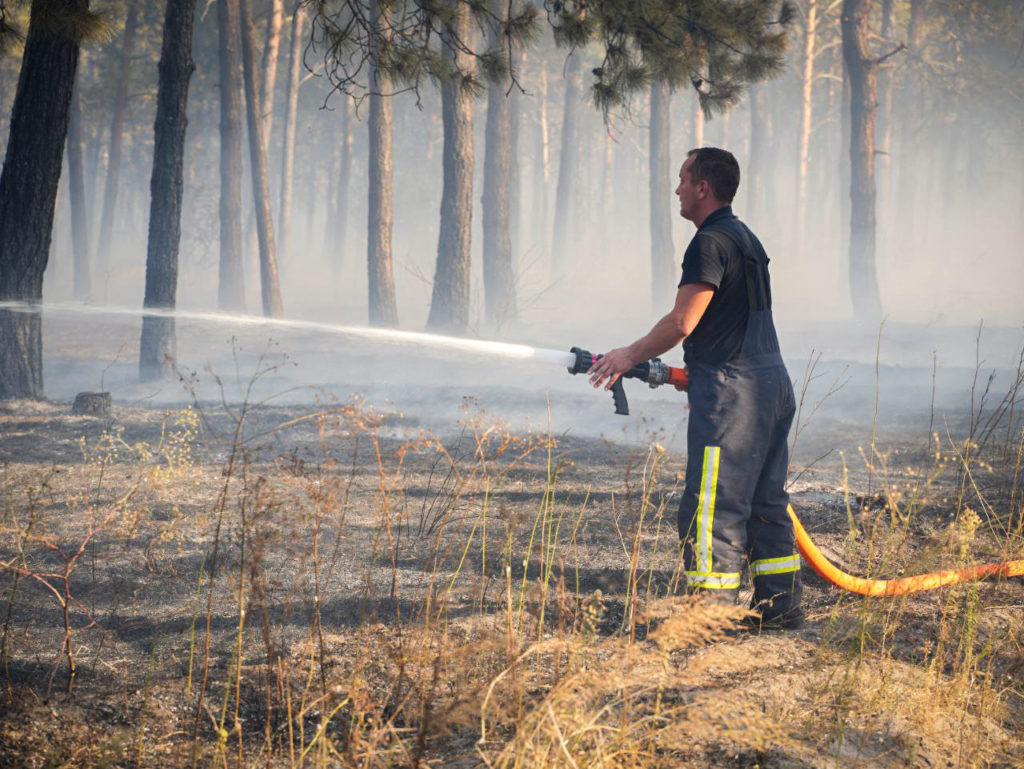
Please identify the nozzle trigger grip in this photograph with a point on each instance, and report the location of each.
(619, 398)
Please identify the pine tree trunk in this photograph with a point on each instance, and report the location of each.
(270, 289)
(79, 212)
(698, 122)
(844, 172)
(231, 277)
(449, 303)
(113, 180)
(499, 278)
(608, 217)
(884, 128)
(568, 164)
(912, 105)
(659, 185)
(383, 305)
(760, 134)
(862, 72)
(806, 118)
(515, 211)
(288, 164)
(833, 150)
(157, 346)
(542, 170)
(338, 221)
(271, 51)
(28, 192)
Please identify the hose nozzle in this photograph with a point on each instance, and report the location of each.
(584, 360)
(654, 372)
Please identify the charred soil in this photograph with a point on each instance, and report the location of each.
(335, 586)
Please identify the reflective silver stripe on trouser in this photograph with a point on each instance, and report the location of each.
(703, 576)
(766, 566)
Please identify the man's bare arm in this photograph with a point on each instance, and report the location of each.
(692, 300)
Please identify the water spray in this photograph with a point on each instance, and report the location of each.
(459, 344)
(576, 361)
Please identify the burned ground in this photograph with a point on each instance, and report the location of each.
(338, 586)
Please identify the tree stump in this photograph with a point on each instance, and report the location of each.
(92, 405)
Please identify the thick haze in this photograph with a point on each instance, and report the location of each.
(950, 236)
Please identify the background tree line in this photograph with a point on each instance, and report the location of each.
(336, 151)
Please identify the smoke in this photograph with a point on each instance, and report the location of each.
(949, 238)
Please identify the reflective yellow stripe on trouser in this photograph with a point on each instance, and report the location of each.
(704, 576)
(765, 566)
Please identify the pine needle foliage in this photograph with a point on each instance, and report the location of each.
(415, 44)
(51, 17)
(714, 46)
(63, 19)
(11, 36)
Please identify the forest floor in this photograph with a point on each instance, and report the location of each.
(336, 586)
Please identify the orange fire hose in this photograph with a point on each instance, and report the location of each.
(902, 585)
(680, 379)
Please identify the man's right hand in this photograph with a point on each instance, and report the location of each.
(609, 367)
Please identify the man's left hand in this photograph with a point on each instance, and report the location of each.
(609, 367)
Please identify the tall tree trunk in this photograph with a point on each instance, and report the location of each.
(337, 221)
(449, 303)
(862, 71)
(607, 215)
(806, 118)
(568, 163)
(659, 185)
(844, 173)
(913, 109)
(884, 127)
(76, 190)
(270, 288)
(271, 51)
(383, 305)
(515, 205)
(499, 277)
(231, 277)
(760, 136)
(112, 183)
(698, 122)
(157, 346)
(284, 219)
(28, 191)
(542, 171)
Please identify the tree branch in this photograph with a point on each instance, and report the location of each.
(893, 52)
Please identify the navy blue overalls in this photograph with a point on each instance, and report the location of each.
(734, 503)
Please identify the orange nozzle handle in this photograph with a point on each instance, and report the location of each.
(678, 377)
(903, 585)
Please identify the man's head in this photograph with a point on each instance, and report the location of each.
(707, 181)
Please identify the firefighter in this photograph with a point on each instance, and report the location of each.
(733, 508)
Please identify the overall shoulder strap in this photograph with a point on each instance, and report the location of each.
(755, 262)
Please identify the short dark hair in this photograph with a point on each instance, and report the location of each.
(718, 168)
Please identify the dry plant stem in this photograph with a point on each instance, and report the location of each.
(22, 564)
(317, 626)
(140, 753)
(800, 423)
(221, 507)
(63, 594)
(874, 416)
(192, 631)
(649, 474)
(241, 618)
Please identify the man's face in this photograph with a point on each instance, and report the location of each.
(687, 192)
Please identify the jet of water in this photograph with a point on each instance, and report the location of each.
(386, 335)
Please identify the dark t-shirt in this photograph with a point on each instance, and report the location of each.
(717, 260)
